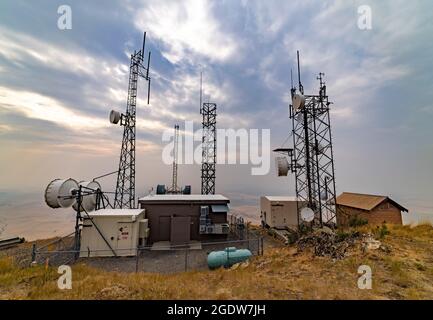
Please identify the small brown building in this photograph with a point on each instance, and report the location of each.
(182, 218)
(375, 209)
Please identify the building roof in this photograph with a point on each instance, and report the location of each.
(116, 212)
(183, 198)
(364, 201)
(280, 198)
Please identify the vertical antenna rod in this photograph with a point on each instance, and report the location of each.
(148, 79)
(291, 78)
(144, 43)
(301, 88)
(201, 91)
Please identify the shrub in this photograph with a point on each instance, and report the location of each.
(381, 231)
(356, 221)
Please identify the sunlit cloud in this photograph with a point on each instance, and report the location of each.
(21, 49)
(4, 128)
(37, 106)
(186, 27)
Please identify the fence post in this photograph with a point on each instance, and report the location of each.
(186, 259)
(136, 259)
(247, 235)
(261, 244)
(34, 252)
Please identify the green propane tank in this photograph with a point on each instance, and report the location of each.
(227, 258)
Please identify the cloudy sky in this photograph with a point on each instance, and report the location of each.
(58, 86)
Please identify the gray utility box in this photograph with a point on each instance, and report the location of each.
(123, 229)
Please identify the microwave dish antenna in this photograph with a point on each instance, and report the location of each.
(115, 117)
(307, 214)
(88, 201)
(298, 101)
(59, 193)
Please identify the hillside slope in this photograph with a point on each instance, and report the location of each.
(404, 272)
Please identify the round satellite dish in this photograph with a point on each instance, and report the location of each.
(114, 116)
(88, 202)
(307, 214)
(282, 166)
(298, 101)
(57, 190)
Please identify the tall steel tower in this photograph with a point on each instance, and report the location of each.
(125, 186)
(174, 187)
(208, 110)
(312, 158)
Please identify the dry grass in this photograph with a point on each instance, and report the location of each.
(282, 273)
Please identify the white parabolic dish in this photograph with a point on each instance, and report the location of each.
(114, 116)
(88, 202)
(307, 214)
(298, 101)
(57, 190)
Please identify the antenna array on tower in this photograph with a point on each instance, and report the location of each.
(125, 187)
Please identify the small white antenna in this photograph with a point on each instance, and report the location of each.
(201, 90)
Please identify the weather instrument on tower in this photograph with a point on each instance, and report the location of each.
(311, 158)
(125, 187)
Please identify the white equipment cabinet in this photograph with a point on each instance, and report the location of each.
(119, 227)
(279, 212)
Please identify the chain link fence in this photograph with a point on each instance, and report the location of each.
(191, 257)
(161, 257)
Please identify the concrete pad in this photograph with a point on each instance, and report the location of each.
(161, 245)
(195, 245)
(166, 245)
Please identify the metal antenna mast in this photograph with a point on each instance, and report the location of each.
(125, 186)
(201, 90)
(174, 187)
(312, 158)
(208, 111)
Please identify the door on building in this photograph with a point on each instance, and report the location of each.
(180, 230)
(194, 229)
(164, 228)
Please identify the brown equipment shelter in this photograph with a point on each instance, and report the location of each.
(176, 218)
(375, 209)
